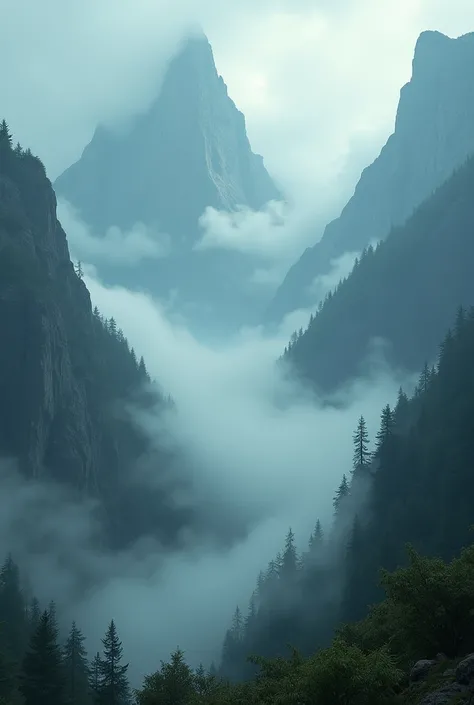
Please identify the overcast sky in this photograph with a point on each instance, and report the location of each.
(318, 81)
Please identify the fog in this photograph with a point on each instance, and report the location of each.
(318, 84)
(255, 440)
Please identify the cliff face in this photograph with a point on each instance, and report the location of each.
(433, 135)
(404, 292)
(64, 372)
(188, 151)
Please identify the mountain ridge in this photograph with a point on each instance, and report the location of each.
(433, 135)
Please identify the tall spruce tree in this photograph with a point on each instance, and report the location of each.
(94, 678)
(289, 561)
(75, 668)
(342, 491)
(14, 633)
(361, 456)
(386, 427)
(41, 681)
(113, 684)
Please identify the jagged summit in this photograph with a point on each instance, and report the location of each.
(188, 151)
(433, 135)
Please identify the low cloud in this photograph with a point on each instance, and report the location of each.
(340, 268)
(260, 447)
(115, 247)
(274, 237)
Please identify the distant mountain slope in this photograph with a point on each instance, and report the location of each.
(404, 292)
(434, 133)
(188, 151)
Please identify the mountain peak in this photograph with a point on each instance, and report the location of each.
(433, 136)
(189, 151)
(434, 49)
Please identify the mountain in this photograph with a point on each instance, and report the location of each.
(433, 135)
(189, 151)
(410, 480)
(401, 293)
(67, 376)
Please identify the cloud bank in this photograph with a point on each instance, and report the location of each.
(260, 447)
(114, 247)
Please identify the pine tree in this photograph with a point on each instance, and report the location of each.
(424, 380)
(78, 269)
(386, 426)
(41, 678)
(401, 406)
(316, 538)
(361, 457)
(75, 668)
(142, 369)
(14, 633)
(289, 562)
(94, 678)
(34, 615)
(237, 628)
(113, 683)
(5, 137)
(342, 491)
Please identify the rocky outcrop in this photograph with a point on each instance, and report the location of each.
(433, 135)
(448, 685)
(188, 151)
(65, 375)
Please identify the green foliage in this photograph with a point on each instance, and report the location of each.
(75, 669)
(42, 677)
(113, 687)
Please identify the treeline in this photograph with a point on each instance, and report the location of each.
(415, 485)
(35, 669)
(403, 291)
(427, 612)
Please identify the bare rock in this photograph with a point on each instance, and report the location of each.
(465, 670)
(445, 695)
(421, 669)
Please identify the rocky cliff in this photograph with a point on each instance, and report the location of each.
(400, 296)
(188, 151)
(65, 373)
(433, 135)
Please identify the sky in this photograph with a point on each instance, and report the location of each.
(318, 83)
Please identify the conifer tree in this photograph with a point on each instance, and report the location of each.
(342, 491)
(34, 615)
(237, 628)
(78, 269)
(94, 678)
(316, 538)
(41, 678)
(289, 562)
(361, 457)
(113, 683)
(424, 380)
(14, 632)
(5, 136)
(401, 406)
(75, 668)
(142, 369)
(386, 426)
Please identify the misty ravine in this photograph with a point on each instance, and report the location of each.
(198, 506)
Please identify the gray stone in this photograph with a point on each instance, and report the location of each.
(421, 669)
(444, 695)
(465, 670)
